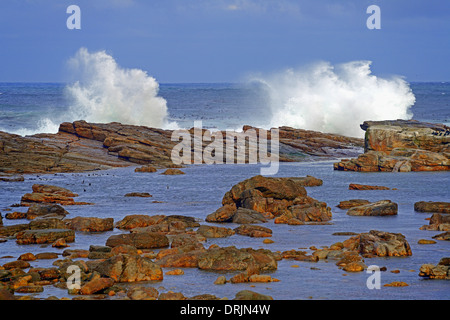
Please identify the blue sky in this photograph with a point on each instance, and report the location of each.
(225, 40)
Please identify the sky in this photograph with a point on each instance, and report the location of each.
(189, 41)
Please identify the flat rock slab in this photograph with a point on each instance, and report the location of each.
(141, 240)
(432, 206)
(45, 236)
(379, 208)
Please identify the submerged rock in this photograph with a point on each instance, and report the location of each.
(379, 208)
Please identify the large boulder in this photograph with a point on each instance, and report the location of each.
(129, 268)
(402, 146)
(379, 243)
(138, 220)
(41, 236)
(140, 240)
(46, 210)
(439, 271)
(49, 194)
(379, 208)
(438, 222)
(214, 231)
(223, 214)
(247, 216)
(253, 231)
(90, 224)
(271, 197)
(432, 206)
(232, 259)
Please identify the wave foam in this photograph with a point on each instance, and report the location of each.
(105, 92)
(336, 99)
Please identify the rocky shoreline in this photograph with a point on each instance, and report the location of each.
(401, 146)
(82, 146)
(148, 244)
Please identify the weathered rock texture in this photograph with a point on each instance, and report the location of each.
(379, 208)
(43, 193)
(402, 146)
(379, 243)
(438, 222)
(82, 146)
(432, 206)
(439, 271)
(251, 200)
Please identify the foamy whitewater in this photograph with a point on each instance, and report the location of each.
(321, 97)
(336, 99)
(106, 92)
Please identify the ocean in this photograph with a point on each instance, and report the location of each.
(28, 108)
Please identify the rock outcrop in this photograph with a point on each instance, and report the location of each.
(432, 206)
(438, 222)
(402, 146)
(286, 199)
(379, 208)
(82, 146)
(379, 243)
(439, 271)
(49, 194)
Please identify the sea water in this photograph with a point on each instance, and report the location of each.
(199, 192)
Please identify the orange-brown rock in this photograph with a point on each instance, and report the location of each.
(129, 268)
(283, 198)
(214, 231)
(432, 206)
(347, 204)
(147, 168)
(82, 146)
(96, 285)
(379, 243)
(49, 194)
(172, 172)
(402, 146)
(253, 231)
(379, 208)
(138, 220)
(438, 222)
(21, 264)
(90, 224)
(41, 236)
(141, 240)
(231, 258)
(355, 186)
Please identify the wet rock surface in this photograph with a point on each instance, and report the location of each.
(401, 146)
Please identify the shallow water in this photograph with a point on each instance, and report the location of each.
(200, 191)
